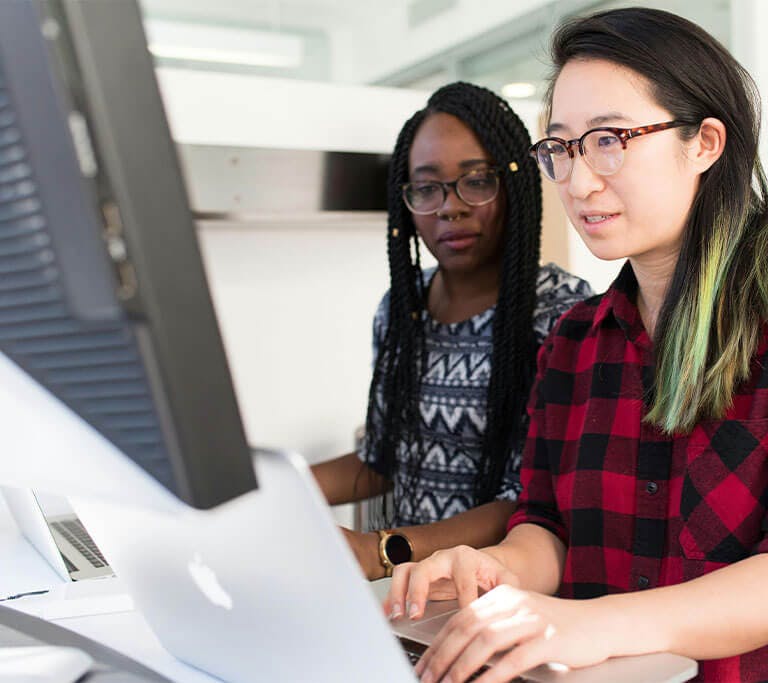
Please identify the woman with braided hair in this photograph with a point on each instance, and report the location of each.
(454, 346)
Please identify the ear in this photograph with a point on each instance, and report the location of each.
(708, 144)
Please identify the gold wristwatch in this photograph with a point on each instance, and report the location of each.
(394, 548)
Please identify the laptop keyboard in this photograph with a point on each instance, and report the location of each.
(414, 650)
(74, 531)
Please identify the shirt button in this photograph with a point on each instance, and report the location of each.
(643, 582)
(651, 487)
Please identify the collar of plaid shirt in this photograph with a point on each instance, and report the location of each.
(637, 508)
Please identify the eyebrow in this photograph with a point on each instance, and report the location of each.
(611, 117)
(466, 164)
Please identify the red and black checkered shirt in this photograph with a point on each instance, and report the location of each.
(637, 508)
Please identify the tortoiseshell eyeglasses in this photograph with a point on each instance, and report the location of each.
(602, 148)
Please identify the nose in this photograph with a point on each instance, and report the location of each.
(451, 199)
(583, 180)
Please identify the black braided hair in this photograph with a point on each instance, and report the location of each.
(394, 398)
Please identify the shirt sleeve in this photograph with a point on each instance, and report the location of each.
(556, 292)
(537, 503)
(366, 452)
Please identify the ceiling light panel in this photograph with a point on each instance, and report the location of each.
(173, 40)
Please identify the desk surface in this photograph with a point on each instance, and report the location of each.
(117, 626)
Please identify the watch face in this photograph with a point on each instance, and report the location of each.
(398, 549)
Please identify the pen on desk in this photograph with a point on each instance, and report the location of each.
(24, 595)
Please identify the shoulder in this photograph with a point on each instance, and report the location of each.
(383, 307)
(381, 317)
(427, 275)
(557, 291)
(569, 335)
(553, 282)
(576, 322)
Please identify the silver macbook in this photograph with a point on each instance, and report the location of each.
(262, 587)
(61, 539)
(265, 583)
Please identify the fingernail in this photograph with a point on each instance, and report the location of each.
(396, 612)
(413, 610)
(427, 677)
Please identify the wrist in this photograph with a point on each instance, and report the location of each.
(394, 548)
(629, 628)
(371, 564)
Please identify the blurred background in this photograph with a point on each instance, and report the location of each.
(284, 112)
(403, 43)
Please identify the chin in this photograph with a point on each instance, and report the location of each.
(458, 262)
(606, 249)
(609, 255)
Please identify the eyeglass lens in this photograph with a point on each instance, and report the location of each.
(475, 188)
(603, 151)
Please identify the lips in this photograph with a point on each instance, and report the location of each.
(593, 221)
(458, 239)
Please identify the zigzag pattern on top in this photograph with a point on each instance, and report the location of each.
(453, 400)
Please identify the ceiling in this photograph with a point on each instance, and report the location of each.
(312, 14)
(343, 44)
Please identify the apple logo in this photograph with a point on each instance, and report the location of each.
(205, 579)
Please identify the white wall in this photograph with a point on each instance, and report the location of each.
(295, 304)
(748, 21)
(209, 108)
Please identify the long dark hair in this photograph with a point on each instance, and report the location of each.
(710, 323)
(393, 404)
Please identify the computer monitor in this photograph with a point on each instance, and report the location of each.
(103, 296)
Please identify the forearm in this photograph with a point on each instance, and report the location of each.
(721, 614)
(477, 527)
(347, 479)
(535, 555)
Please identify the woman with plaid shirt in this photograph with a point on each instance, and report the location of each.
(642, 525)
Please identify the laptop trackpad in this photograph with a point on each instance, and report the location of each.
(436, 614)
(432, 625)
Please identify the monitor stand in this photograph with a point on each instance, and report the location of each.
(18, 629)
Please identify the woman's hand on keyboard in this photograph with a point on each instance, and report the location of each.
(460, 573)
(521, 629)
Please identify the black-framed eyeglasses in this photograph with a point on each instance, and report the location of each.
(477, 187)
(602, 148)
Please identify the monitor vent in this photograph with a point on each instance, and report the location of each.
(93, 367)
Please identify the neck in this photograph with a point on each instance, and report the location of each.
(653, 278)
(456, 296)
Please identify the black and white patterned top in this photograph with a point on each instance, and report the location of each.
(453, 401)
